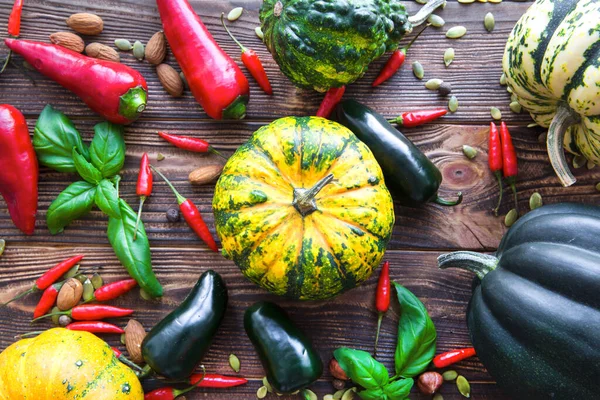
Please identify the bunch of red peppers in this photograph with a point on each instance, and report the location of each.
(502, 160)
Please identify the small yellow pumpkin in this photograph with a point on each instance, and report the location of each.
(61, 364)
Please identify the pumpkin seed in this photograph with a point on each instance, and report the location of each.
(71, 273)
(535, 201)
(328, 397)
(466, 1)
(139, 50)
(469, 151)
(496, 114)
(509, 219)
(235, 13)
(349, 394)
(56, 316)
(437, 396)
(598, 186)
(461, 382)
(515, 107)
(418, 70)
(482, 1)
(234, 362)
(513, 97)
(123, 339)
(495, 1)
(509, 89)
(503, 79)
(532, 125)
(123, 44)
(448, 56)
(436, 21)
(422, 1)
(445, 89)
(310, 394)
(97, 280)
(433, 84)
(160, 157)
(579, 161)
(456, 32)
(81, 278)
(590, 165)
(338, 395)
(266, 383)
(259, 32)
(2, 246)
(450, 375)
(261, 393)
(144, 295)
(453, 104)
(88, 290)
(489, 22)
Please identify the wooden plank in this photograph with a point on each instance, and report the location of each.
(348, 320)
(474, 73)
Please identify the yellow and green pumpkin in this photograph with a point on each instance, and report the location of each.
(303, 210)
(552, 65)
(60, 364)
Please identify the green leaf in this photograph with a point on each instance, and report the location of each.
(398, 390)
(74, 202)
(107, 199)
(54, 138)
(372, 394)
(133, 254)
(416, 335)
(85, 169)
(363, 369)
(107, 150)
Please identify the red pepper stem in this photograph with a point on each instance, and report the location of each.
(180, 198)
(129, 363)
(68, 312)
(244, 49)
(405, 48)
(500, 185)
(511, 182)
(443, 202)
(379, 319)
(139, 216)
(20, 296)
(29, 334)
(216, 152)
(6, 61)
(177, 393)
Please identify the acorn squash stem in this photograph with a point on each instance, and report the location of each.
(425, 11)
(563, 119)
(304, 199)
(478, 263)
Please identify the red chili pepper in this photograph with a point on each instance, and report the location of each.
(91, 312)
(331, 99)
(218, 381)
(47, 300)
(252, 62)
(113, 90)
(113, 290)
(94, 327)
(143, 188)
(215, 80)
(189, 143)
(395, 61)
(450, 357)
(14, 21)
(18, 169)
(509, 160)
(169, 393)
(382, 297)
(192, 216)
(48, 278)
(411, 119)
(495, 159)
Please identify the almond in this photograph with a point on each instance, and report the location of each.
(69, 294)
(86, 24)
(205, 174)
(102, 52)
(134, 336)
(170, 80)
(156, 49)
(69, 40)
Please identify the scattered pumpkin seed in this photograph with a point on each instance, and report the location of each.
(144, 295)
(456, 32)
(532, 125)
(234, 362)
(422, 1)
(328, 397)
(482, 1)
(261, 393)
(259, 32)
(418, 70)
(510, 219)
(310, 394)
(56, 316)
(461, 382)
(433, 84)
(509, 89)
(436, 21)
(503, 79)
(495, 1)
(590, 165)
(72, 272)
(469, 151)
(453, 104)
(579, 161)
(489, 22)
(466, 1)
(81, 278)
(598, 186)
(123, 44)
(535, 201)
(450, 375)
(235, 13)
(515, 107)
(88, 290)
(496, 114)
(448, 56)
(97, 280)
(513, 97)
(139, 50)
(2, 246)
(349, 394)
(445, 89)
(338, 395)
(437, 396)
(266, 383)
(122, 337)
(160, 157)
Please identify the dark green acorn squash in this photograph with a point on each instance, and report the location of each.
(534, 317)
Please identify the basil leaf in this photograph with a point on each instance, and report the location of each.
(107, 199)
(372, 394)
(54, 138)
(74, 202)
(416, 335)
(85, 169)
(107, 150)
(363, 369)
(398, 390)
(133, 254)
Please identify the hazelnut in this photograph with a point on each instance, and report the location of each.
(337, 371)
(430, 382)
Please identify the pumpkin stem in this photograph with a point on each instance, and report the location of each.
(304, 199)
(564, 118)
(478, 263)
(425, 12)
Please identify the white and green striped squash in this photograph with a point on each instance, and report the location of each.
(552, 65)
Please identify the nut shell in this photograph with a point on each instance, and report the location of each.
(156, 49)
(86, 23)
(430, 382)
(337, 371)
(205, 174)
(68, 40)
(134, 336)
(170, 80)
(69, 295)
(102, 52)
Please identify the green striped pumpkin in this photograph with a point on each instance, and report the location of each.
(552, 65)
(303, 210)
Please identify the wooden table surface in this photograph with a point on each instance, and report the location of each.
(420, 234)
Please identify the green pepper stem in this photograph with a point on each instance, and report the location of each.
(180, 198)
(478, 263)
(425, 11)
(563, 119)
(443, 202)
(177, 393)
(501, 186)
(145, 372)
